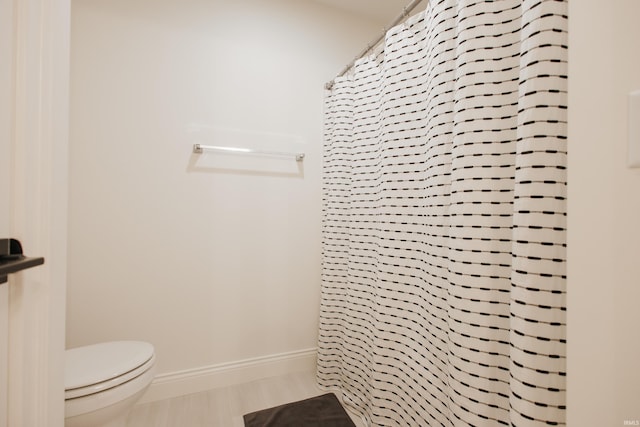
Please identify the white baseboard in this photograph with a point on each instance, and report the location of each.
(174, 384)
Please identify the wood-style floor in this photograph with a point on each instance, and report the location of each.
(224, 407)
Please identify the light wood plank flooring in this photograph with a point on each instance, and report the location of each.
(224, 407)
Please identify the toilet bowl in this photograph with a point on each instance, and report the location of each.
(103, 382)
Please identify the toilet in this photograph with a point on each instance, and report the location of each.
(103, 382)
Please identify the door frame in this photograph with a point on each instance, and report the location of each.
(37, 61)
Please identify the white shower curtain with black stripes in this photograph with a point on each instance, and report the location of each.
(444, 217)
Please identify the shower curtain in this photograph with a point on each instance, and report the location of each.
(444, 220)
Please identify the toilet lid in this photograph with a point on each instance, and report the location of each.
(93, 364)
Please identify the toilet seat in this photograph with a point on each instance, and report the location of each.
(95, 368)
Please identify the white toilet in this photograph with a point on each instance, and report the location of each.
(103, 381)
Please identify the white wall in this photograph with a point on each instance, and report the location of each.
(211, 262)
(604, 215)
(214, 266)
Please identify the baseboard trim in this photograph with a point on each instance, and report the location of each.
(174, 384)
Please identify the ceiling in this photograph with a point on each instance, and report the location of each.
(383, 11)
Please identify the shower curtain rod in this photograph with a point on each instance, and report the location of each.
(406, 11)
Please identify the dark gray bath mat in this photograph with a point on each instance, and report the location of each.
(319, 411)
